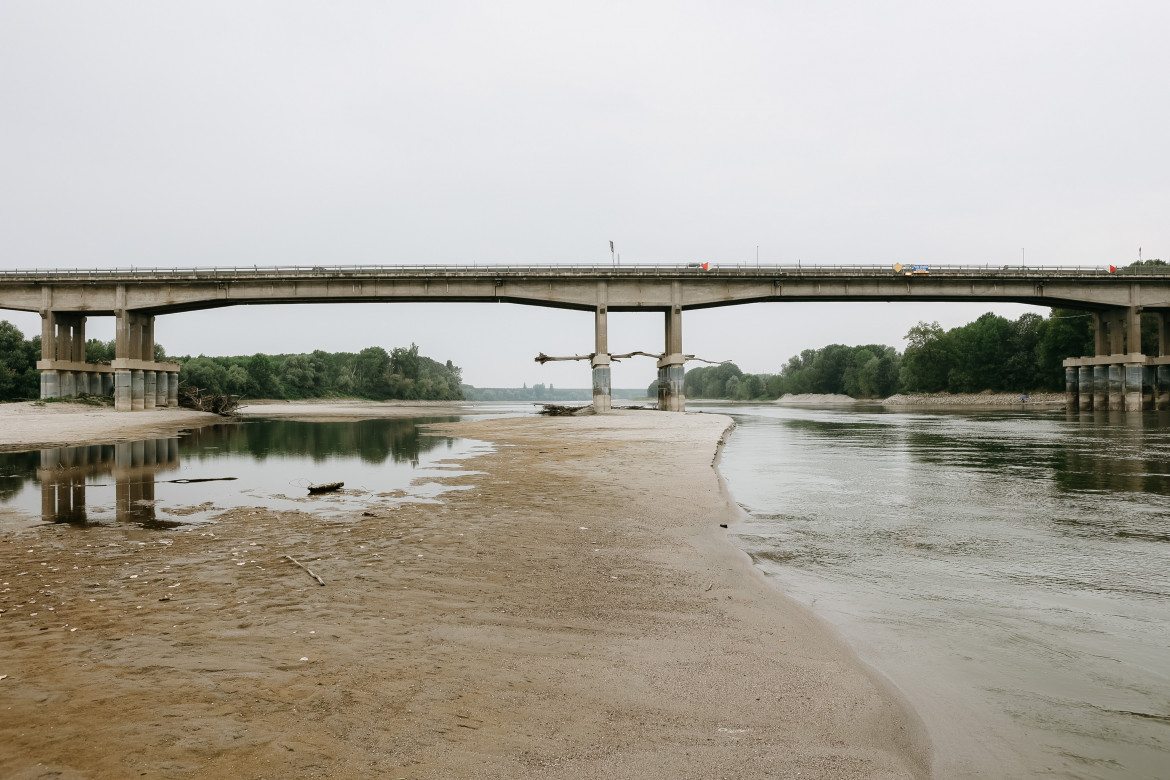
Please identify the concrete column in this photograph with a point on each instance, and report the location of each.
(95, 384)
(149, 389)
(173, 389)
(1117, 333)
(78, 334)
(1160, 319)
(1100, 334)
(64, 338)
(122, 334)
(48, 335)
(81, 378)
(108, 384)
(1132, 376)
(1071, 385)
(602, 393)
(160, 398)
(147, 337)
(1162, 387)
(135, 337)
(1133, 329)
(68, 384)
(50, 384)
(1100, 388)
(122, 391)
(137, 390)
(1116, 387)
(1147, 387)
(1085, 385)
(671, 368)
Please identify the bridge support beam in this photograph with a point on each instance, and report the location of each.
(137, 390)
(1116, 387)
(602, 392)
(1071, 387)
(64, 370)
(1085, 384)
(672, 366)
(122, 381)
(1133, 386)
(149, 389)
(1100, 387)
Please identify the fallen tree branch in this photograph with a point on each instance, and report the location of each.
(306, 568)
(543, 358)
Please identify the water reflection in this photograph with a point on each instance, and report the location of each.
(64, 473)
(160, 483)
(373, 441)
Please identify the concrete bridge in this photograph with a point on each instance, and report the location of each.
(1117, 376)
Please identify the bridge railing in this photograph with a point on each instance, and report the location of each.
(474, 269)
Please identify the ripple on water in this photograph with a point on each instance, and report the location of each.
(1009, 571)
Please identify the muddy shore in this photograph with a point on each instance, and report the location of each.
(577, 613)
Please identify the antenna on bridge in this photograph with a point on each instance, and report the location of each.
(612, 256)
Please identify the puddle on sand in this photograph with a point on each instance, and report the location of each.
(190, 478)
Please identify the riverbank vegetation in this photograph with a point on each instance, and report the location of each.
(373, 373)
(992, 353)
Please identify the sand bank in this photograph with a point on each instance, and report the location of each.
(354, 409)
(30, 424)
(945, 400)
(577, 614)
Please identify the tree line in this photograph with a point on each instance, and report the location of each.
(373, 373)
(991, 353)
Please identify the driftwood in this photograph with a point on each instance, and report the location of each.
(306, 568)
(191, 397)
(326, 487)
(558, 410)
(543, 358)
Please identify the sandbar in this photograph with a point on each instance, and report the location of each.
(577, 613)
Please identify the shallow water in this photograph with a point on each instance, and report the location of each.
(159, 483)
(1008, 571)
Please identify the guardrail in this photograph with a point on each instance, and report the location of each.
(690, 269)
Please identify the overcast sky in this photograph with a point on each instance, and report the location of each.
(244, 133)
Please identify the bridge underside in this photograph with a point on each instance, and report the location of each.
(135, 298)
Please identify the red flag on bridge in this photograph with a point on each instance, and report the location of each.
(1112, 269)
(705, 266)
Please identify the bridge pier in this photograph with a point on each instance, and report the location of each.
(602, 392)
(140, 382)
(64, 370)
(1120, 377)
(672, 365)
(1085, 388)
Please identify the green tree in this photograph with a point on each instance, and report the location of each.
(261, 378)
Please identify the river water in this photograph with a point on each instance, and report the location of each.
(192, 477)
(1008, 571)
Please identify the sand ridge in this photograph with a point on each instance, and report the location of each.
(578, 613)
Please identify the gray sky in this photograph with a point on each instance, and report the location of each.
(233, 133)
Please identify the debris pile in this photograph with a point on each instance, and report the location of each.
(191, 397)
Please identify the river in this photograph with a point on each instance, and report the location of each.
(1008, 571)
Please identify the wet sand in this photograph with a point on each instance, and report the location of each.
(578, 613)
